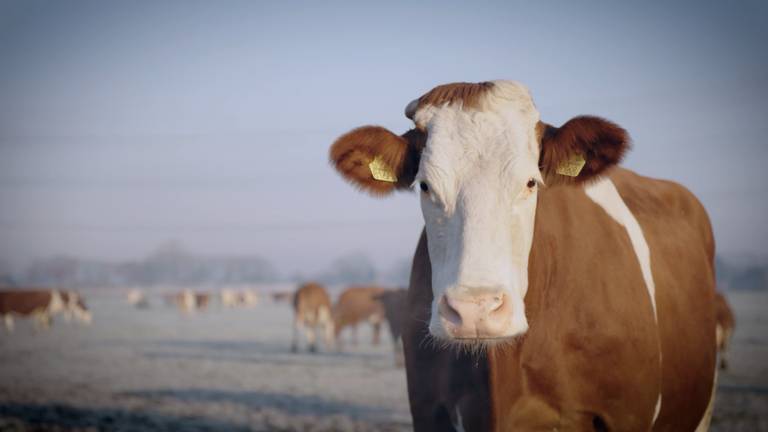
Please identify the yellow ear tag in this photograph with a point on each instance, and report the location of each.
(571, 167)
(381, 171)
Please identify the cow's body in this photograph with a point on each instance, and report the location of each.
(233, 298)
(40, 305)
(579, 295)
(355, 305)
(395, 303)
(593, 334)
(312, 311)
(726, 323)
(137, 298)
(188, 301)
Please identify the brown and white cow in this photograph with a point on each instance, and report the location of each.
(578, 295)
(312, 311)
(395, 303)
(726, 323)
(188, 301)
(355, 305)
(38, 304)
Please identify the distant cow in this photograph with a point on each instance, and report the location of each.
(188, 301)
(394, 302)
(312, 310)
(37, 304)
(75, 307)
(725, 325)
(355, 305)
(233, 298)
(138, 298)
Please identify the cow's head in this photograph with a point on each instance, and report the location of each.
(478, 155)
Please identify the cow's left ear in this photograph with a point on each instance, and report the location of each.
(580, 150)
(377, 160)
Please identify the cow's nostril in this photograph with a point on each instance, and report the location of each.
(448, 312)
(498, 303)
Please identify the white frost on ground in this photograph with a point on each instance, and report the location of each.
(156, 369)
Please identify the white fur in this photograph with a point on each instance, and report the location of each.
(479, 214)
(657, 410)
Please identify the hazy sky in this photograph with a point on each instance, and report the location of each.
(125, 125)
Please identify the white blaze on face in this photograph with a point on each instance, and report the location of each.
(479, 211)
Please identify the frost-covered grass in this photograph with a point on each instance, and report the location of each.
(232, 369)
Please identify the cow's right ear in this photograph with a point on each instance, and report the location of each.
(376, 160)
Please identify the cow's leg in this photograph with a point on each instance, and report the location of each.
(311, 340)
(724, 349)
(43, 320)
(298, 325)
(354, 335)
(327, 322)
(376, 332)
(397, 343)
(8, 319)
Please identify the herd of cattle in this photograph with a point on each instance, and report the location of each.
(551, 289)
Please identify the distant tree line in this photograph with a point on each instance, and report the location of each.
(169, 265)
(752, 276)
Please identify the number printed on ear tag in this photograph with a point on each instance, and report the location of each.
(571, 167)
(381, 171)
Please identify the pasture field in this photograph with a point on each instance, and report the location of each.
(232, 370)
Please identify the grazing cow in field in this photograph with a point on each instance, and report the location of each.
(312, 310)
(245, 298)
(356, 305)
(188, 301)
(75, 307)
(138, 299)
(551, 289)
(229, 298)
(394, 302)
(37, 304)
(725, 325)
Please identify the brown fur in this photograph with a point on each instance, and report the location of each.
(358, 304)
(354, 151)
(24, 302)
(602, 143)
(308, 300)
(469, 95)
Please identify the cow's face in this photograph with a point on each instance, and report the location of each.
(478, 179)
(478, 156)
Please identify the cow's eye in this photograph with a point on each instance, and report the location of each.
(531, 183)
(424, 186)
